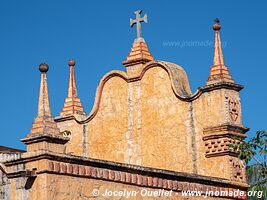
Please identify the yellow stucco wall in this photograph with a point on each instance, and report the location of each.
(106, 132)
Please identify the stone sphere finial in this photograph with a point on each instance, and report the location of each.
(71, 62)
(217, 25)
(43, 67)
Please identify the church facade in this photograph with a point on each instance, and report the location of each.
(147, 136)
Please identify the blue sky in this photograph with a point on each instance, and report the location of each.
(97, 35)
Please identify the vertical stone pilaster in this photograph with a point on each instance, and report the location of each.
(138, 123)
(128, 134)
(192, 133)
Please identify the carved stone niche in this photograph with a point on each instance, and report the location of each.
(237, 168)
(217, 139)
(233, 107)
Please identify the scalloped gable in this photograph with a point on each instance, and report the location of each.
(146, 106)
(179, 84)
(177, 76)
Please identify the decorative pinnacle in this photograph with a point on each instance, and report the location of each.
(44, 123)
(219, 72)
(72, 104)
(71, 62)
(43, 67)
(138, 22)
(217, 25)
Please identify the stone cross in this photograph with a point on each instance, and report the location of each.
(138, 21)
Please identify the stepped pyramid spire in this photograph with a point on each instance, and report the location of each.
(44, 122)
(72, 103)
(139, 52)
(218, 71)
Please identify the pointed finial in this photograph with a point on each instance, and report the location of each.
(44, 122)
(43, 67)
(217, 25)
(219, 71)
(44, 129)
(72, 104)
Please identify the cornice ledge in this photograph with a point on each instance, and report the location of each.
(221, 85)
(115, 167)
(45, 137)
(224, 130)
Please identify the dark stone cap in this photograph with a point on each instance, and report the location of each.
(43, 67)
(71, 62)
(217, 26)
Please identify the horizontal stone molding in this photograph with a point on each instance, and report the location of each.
(218, 139)
(22, 173)
(224, 130)
(93, 168)
(142, 180)
(45, 137)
